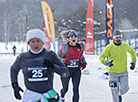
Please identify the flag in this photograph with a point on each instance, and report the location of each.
(48, 23)
(27, 24)
(109, 21)
(89, 42)
(47, 40)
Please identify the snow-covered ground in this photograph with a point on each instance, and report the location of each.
(93, 88)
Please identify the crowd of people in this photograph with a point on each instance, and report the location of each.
(38, 66)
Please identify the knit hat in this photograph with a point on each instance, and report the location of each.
(117, 33)
(72, 33)
(35, 33)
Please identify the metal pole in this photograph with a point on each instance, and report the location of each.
(97, 47)
(135, 41)
(124, 37)
(129, 39)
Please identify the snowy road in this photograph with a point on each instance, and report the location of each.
(92, 87)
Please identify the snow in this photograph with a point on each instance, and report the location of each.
(93, 88)
(7, 48)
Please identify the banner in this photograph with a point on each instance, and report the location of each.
(89, 42)
(47, 40)
(48, 25)
(109, 21)
(27, 24)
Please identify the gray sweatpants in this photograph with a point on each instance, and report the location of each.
(118, 83)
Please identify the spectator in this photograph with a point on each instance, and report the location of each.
(14, 50)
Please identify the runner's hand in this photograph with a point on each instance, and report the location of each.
(110, 63)
(17, 90)
(48, 63)
(84, 66)
(132, 65)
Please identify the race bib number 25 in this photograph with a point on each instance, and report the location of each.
(37, 74)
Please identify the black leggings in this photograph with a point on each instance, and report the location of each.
(76, 76)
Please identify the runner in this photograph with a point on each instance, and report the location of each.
(38, 66)
(117, 65)
(72, 55)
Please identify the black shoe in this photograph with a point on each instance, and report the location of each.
(120, 98)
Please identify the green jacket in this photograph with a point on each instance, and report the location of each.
(119, 56)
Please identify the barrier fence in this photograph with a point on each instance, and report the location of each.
(129, 36)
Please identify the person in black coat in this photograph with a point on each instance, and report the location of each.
(38, 66)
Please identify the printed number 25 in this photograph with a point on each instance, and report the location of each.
(37, 73)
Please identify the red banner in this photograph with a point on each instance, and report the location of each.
(89, 42)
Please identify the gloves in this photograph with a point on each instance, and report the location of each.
(110, 63)
(66, 60)
(48, 63)
(17, 90)
(84, 65)
(132, 65)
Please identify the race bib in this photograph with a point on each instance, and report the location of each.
(113, 84)
(37, 74)
(73, 63)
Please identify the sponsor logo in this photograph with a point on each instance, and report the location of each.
(89, 20)
(109, 5)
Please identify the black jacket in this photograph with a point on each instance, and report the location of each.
(37, 77)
